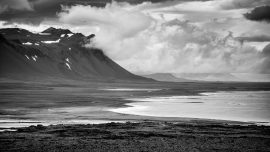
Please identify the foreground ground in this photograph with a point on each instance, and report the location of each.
(142, 137)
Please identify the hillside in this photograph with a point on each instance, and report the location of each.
(55, 53)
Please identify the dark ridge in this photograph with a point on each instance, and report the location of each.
(55, 31)
(14, 31)
(91, 36)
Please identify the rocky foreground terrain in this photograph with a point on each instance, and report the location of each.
(145, 136)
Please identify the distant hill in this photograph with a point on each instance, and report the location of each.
(208, 76)
(55, 53)
(166, 77)
(252, 77)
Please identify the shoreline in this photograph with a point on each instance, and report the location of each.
(124, 118)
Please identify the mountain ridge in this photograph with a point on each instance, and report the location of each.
(56, 53)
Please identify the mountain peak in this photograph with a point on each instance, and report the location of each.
(55, 31)
(49, 29)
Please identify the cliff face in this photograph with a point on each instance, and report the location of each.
(55, 53)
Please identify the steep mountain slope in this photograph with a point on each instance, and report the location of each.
(55, 53)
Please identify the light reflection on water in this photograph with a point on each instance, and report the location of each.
(247, 106)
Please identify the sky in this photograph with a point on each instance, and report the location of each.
(157, 36)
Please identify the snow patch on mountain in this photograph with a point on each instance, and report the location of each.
(34, 58)
(27, 57)
(50, 42)
(67, 59)
(68, 66)
(69, 35)
(27, 43)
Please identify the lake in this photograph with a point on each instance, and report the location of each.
(245, 106)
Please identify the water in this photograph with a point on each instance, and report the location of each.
(54, 116)
(130, 89)
(27, 116)
(245, 106)
(238, 106)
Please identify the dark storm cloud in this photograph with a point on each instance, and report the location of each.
(154, 1)
(261, 13)
(35, 11)
(238, 4)
(42, 9)
(7, 5)
(256, 38)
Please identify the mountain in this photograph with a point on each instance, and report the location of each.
(207, 76)
(166, 77)
(58, 32)
(55, 53)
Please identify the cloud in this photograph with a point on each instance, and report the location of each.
(173, 36)
(261, 13)
(142, 43)
(26, 11)
(36, 11)
(3, 9)
(255, 38)
(47, 9)
(239, 4)
(113, 18)
(15, 5)
(266, 62)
